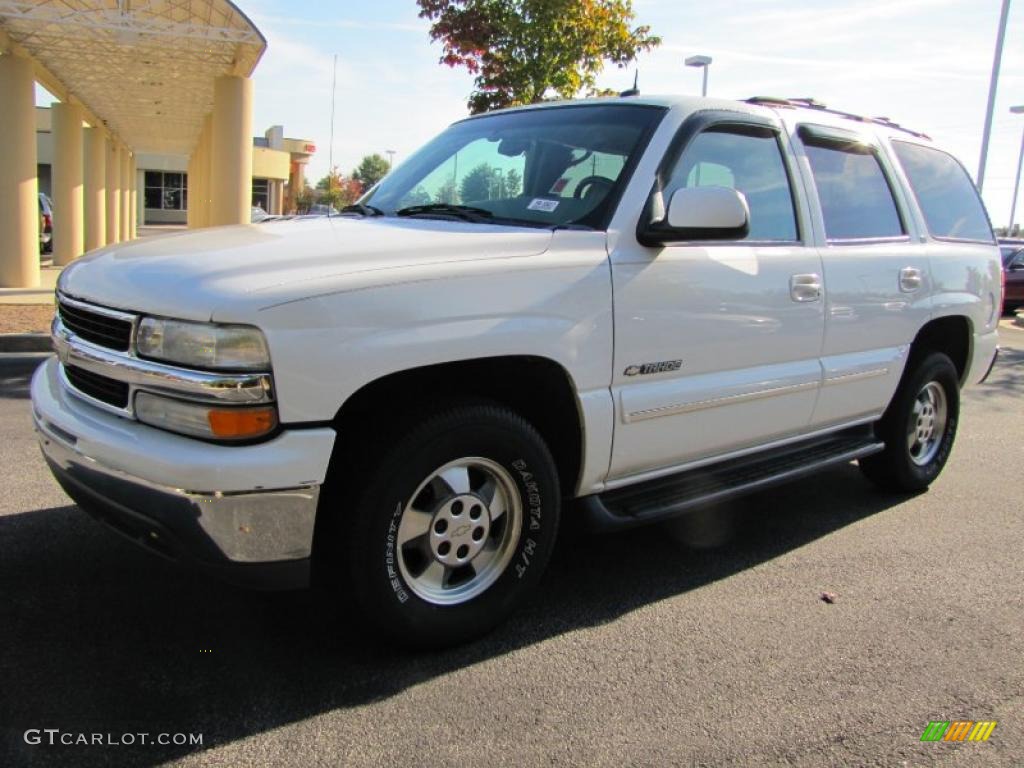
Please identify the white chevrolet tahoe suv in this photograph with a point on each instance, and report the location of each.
(612, 309)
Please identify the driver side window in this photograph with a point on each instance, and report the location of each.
(749, 160)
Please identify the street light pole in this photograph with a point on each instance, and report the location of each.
(1016, 184)
(704, 62)
(391, 158)
(993, 82)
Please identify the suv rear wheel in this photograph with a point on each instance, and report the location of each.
(453, 528)
(918, 427)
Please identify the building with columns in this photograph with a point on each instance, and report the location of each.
(134, 80)
(162, 180)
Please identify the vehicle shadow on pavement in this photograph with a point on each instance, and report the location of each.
(99, 637)
(1007, 375)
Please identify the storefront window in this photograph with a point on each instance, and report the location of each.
(261, 193)
(166, 191)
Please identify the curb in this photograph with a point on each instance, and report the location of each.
(25, 342)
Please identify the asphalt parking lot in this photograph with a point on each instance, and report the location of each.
(702, 643)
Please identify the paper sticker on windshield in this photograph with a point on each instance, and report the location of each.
(540, 204)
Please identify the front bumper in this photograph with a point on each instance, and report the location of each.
(245, 512)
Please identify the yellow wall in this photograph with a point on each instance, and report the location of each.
(270, 164)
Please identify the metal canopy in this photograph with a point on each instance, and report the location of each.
(145, 68)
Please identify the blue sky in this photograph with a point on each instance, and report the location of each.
(924, 63)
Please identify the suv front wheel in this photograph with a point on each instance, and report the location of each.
(454, 526)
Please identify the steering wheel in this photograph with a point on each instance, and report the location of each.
(589, 181)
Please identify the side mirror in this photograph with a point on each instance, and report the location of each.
(700, 213)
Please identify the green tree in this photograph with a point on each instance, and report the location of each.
(416, 196)
(304, 198)
(337, 190)
(481, 183)
(513, 183)
(521, 49)
(372, 168)
(447, 193)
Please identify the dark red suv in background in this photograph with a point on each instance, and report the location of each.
(1013, 268)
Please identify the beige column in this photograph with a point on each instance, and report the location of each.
(278, 197)
(19, 189)
(95, 203)
(113, 191)
(133, 225)
(126, 193)
(231, 157)
(68, 183)
(202, 170)
(192, 189)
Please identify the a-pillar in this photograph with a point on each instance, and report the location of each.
(113, 192)
(68, 193)
(126, 194)
(19, 189)
(95, 188)
(231, 157)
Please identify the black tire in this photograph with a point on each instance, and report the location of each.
(385, 595)
(895, 468)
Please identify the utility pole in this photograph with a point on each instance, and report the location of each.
(1020, 164)
(992, 85)
(702, 62)
(334, 89)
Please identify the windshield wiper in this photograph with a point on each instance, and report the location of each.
(363, 209)
(465, 212)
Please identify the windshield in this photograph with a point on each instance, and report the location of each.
(557, 166)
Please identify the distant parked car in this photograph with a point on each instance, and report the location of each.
(258, 214)
(45, 224)
(321, 209)
(1013, 268)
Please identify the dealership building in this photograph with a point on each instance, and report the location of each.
(154, 123)
(278, 168)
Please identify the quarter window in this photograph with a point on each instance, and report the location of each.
(856, 199)
(747, 159)
(948, 199)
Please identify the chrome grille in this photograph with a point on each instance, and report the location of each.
(96, 327)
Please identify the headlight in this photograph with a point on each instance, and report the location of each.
(212, 422)
(203, 345)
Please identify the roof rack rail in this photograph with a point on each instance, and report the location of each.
(810, 103)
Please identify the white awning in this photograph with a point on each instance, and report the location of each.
(145, 68)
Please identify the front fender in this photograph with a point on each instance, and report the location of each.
(556, 305)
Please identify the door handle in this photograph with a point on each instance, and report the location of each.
(910, 279)
(804, 288)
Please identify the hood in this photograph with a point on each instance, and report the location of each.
(189, 274)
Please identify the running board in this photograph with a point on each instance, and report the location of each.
(666, 497)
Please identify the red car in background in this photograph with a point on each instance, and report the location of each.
(1013, 269)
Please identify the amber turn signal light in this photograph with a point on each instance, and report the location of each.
(239, 423)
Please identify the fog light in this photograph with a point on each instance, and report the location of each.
(198, 420)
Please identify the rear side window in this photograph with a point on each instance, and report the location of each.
(856, 199)
(748, 159)
(948, 199)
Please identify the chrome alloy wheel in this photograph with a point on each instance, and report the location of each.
(459, 531)
(927, 425)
